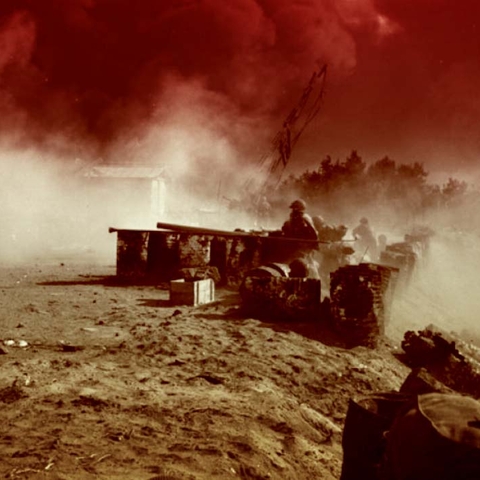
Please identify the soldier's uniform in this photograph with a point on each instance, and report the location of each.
(300, 224)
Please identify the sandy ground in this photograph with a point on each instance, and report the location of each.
(104, 381)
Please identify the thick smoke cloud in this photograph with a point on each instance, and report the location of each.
(413, 96)
(93, 70)
(402, 75)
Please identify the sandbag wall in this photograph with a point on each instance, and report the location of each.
(408, 255)
(154, 256)
(275, 296)
(360, 299)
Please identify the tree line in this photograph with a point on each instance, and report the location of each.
(385, 186)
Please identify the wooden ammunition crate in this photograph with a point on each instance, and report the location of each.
(193, 293)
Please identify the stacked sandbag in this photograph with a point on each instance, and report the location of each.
(360, 296)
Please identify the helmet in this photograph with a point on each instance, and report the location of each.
(364, 220)
(299, 205)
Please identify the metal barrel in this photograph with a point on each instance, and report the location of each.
(269, 270)
(282, 268)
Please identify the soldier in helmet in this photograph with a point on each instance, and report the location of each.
(366, 243)
(328, 233)
(299, 224)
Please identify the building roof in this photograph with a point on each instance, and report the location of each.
(122, 171)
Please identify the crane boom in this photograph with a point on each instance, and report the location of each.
(272, 164)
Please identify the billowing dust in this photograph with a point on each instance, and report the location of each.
(444, 289)
(51, 212)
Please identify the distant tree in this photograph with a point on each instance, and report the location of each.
(354, 166)
(352, 185)
(330, 173)
(453, 191)
(382, 169)
(380, 176)
(414, 173)
(432, 197)
(409, 184)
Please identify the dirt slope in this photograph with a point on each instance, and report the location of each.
(115, 383)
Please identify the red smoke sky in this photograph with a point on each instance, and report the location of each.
(403, 74)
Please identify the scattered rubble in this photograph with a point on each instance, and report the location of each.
(445, 357)
(12, 393)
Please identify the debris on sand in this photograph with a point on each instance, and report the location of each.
(12, 393)
(66, 347)
(15, 343)
(446, 357)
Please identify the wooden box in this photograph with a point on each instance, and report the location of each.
(193, 293)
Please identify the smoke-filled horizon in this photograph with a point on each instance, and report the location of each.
(98, 72)
(88, 77)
